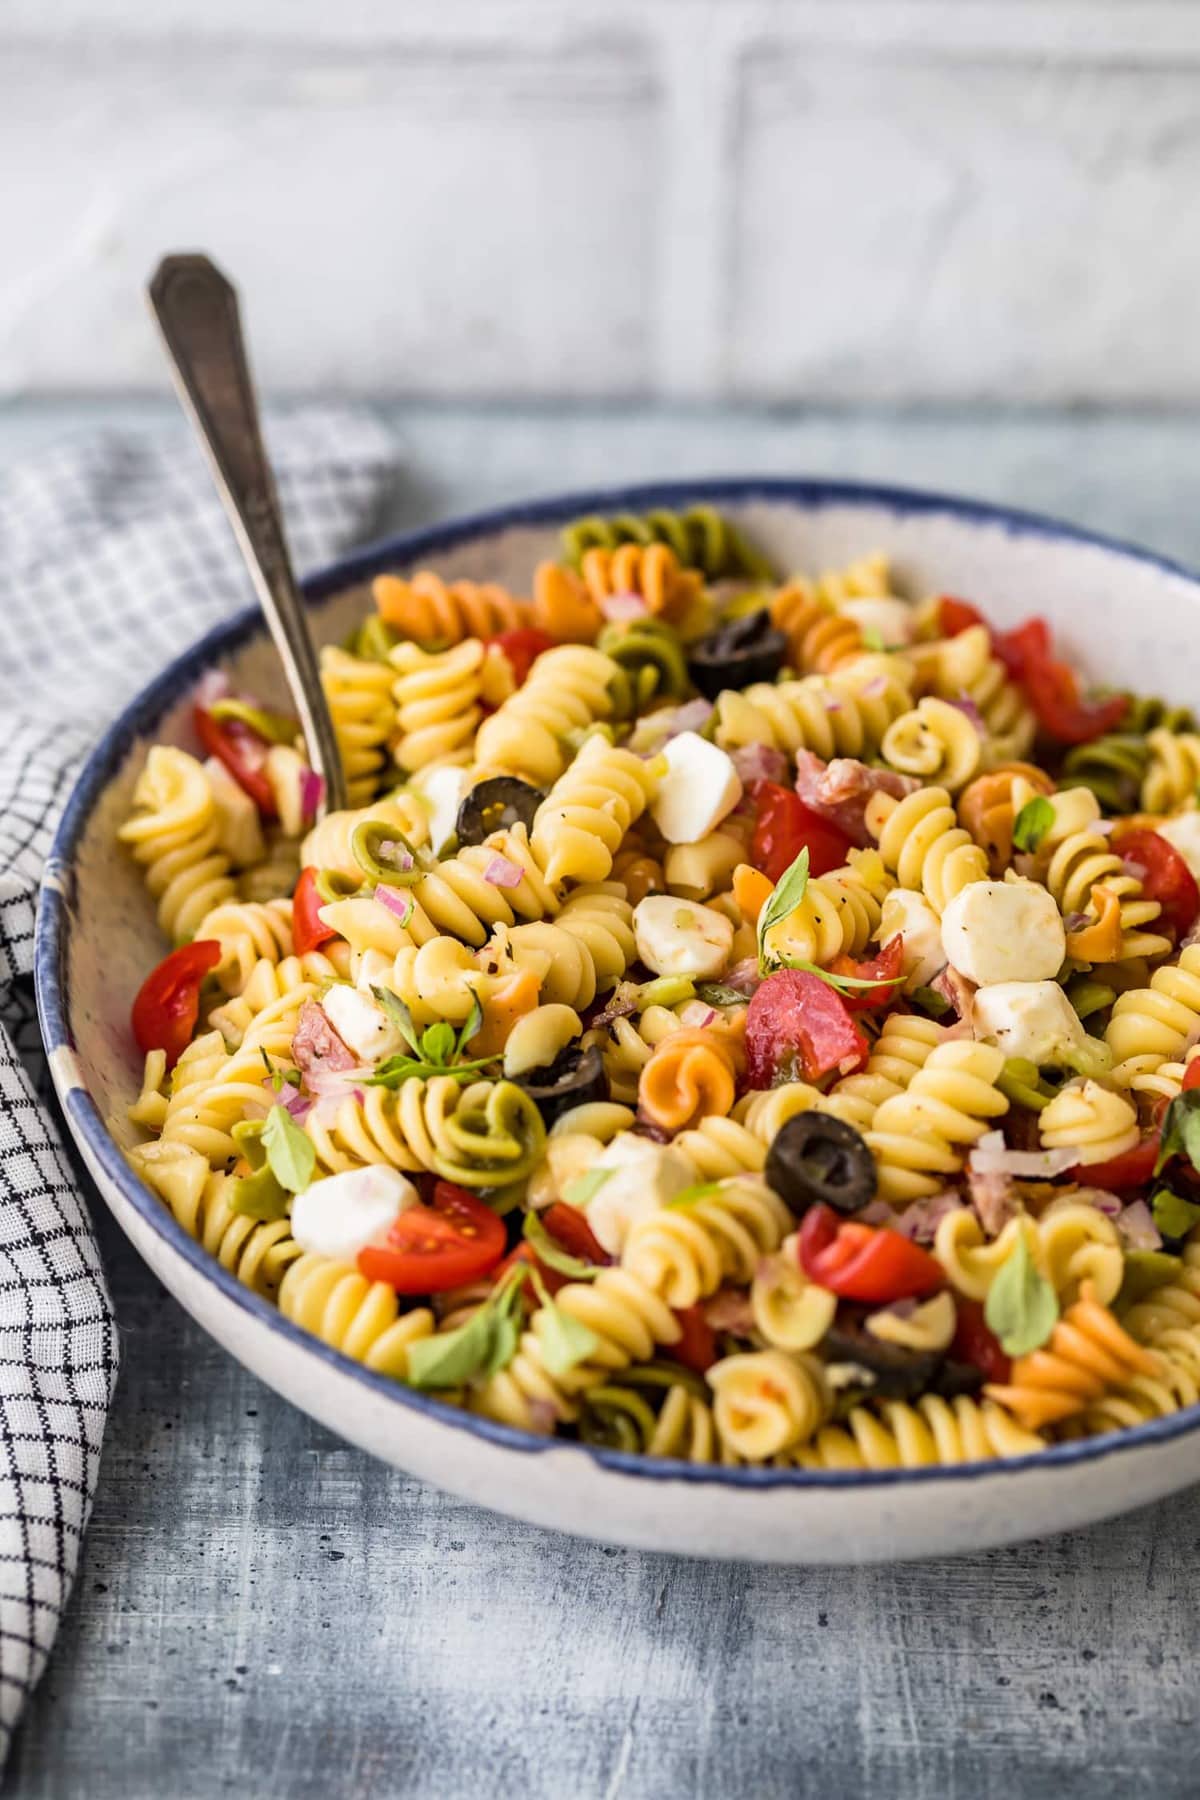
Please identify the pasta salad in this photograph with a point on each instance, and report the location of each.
(743, 1016)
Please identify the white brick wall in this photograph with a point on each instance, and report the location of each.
(841, 199)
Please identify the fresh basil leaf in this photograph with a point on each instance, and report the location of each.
(699, 1190)
(506, 1334)
(565, 1342)
(585, 1187)
(930, 1002)
(291, 1154)
(714, 993)
(1173, 1215)
(1032, 823)
(438, 1043)
(452, 1357)
(394, 1071)
(1181, 1130)
(259, 1196)
(552, 1254)
(783, 899)
(1145, 1270)
(1021, 1307)
(474, 1021)
(399, 1015)
(843, 982)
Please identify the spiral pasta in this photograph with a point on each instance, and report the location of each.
(933, 1432)
(652, 571)
(965, 669)
(258, 1253)
(329, 843)
(1087, 1354)
(360, 1318)
(701, 537)
(923, 845)
(1172, 771)
(581, 823)
(900, 1051)
(487, 1134)
(437, 703)
(583, 952)
(684, 1252)
(359, 693)
(988, 807)
(846, 714)
(1082, 863)
(568, 689)
(173, 832)
(691, 1074)
(838, 914)
(936, 741)
(819, 639)
(1071, 1243)
(766, 1402)
(1155, 1024)
(918, 1135)
(437, 612)
(1091, 1120)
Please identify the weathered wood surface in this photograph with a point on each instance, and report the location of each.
(262, 1611)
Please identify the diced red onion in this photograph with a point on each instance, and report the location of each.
(1076, 921)
(876, 1212)
(395, 900)
(990, 1156)
(966, 705)
(1137, 1228)
(831, 703)
(619, 609)
(331, 1084)
(693, 715)
(1111, 1205)
(876, 686)
(312, 792)
(919, 1222)
(900, 1309)
(744, 976)
(503, 873)
(395, 855)
(759, 762)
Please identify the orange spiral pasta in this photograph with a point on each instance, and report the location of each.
(435, 611)
(691, 1075)
(986, 808)
(1088, 1353)
(651, 570)
(819, 639)
(563, 606)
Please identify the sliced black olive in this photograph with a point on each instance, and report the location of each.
(494, 805)
(748, 649)
(574, 1078)
(815, 1157)
(954, 1378)
(896, 1373)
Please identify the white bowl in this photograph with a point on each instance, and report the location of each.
(1126, 616)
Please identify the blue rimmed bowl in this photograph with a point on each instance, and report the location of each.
(1125, 615)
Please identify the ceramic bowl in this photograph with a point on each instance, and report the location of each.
(1128, 617)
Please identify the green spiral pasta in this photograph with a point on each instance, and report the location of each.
(701, 537)
(484, 1135)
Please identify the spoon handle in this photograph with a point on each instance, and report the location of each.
(196, 309)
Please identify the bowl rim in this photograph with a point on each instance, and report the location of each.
(145, 710)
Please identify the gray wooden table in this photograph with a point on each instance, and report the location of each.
(262, 1611)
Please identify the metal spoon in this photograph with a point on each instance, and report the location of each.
(196, 309)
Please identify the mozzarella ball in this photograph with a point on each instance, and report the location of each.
(640, 1178)
(362, 1025)
(1004, 931)
(678, 937)
(891, 618)
(443, 789)
(909, 912)
(1030, 1019)
(341, 1214)
(699, 788)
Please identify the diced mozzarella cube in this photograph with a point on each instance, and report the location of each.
(341, 1214)
(1030, 1019)
(374, 970)
(443, 789)
(640, 1178)
(362, 1025)
(699, 788)
(907, 911)
(679, 937)
(1183, 833)
(1004, 931)
(891, 618)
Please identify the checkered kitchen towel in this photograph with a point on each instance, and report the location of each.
(114, 555)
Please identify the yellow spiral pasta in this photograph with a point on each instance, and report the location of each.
(1172, 1307)
(173, 831)
(583, 952)
(685, 1251)
(437, 703)
(1172, 772)
(790, 1311)
(486, 1134)
(918, 1136)
(846, 714)
(568, 689)
(1156, 1024)
(247, 931)
(766, 1402)
(258, 1253)
(936, 741)
(1091, 1120)
(328, 844)
(1078, 860)
(582, 822)
(359, 693)
(963, 668)
(1071, 1243)
(360, 1318)
(893, 1435)
(270, 982)
(838, 914)
(718, 1147)
(900, 1051)
(923, 845)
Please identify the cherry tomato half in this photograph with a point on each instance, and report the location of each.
(430, 1248)
(783, 826)
(697, 1348)
(956, 615)
(1167, 877)
(1191, 1075)
(309, 930)
(168, 1002)
(243, 753)
(975, 1342)
(522, 646)
(1133, 1168)
(887, 967)
(1053, 687)
(864, 1262)
(797, 1018)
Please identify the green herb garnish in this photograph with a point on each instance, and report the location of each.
(1022, 1306)
(564, 1341)
(481, 1347)
(784, 898)
(928, 1001)
(438, 1050)
(586, 1187)
(1173, 1215)
(1181, 1130)
(551, 1253)
(1032, 823)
